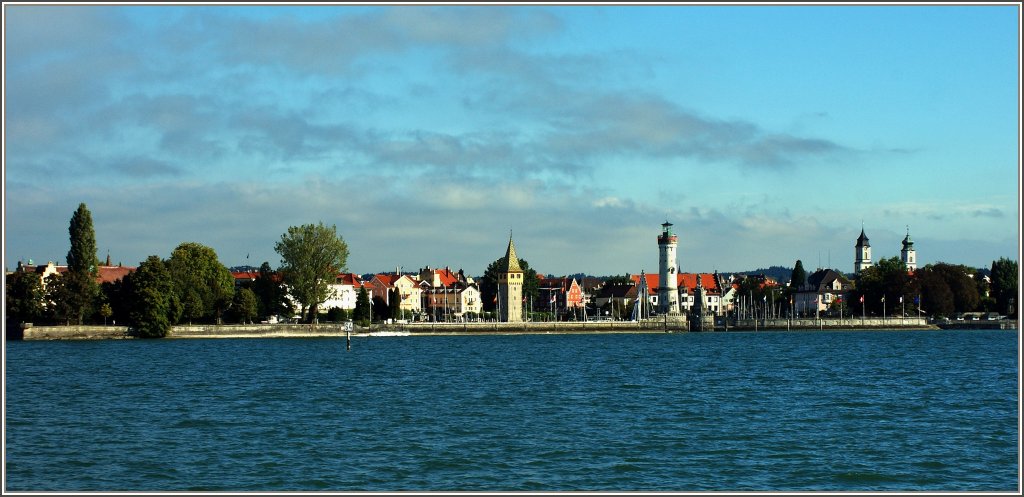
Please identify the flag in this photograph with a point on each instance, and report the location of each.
(917, 300)
(861, 299)
(553, 298)
(901, 299)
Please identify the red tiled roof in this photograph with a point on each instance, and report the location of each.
(348, 279)
(683, 280)
(446, 276)
(110, 274)
(387, 280)
(689, 280)
(652, 282)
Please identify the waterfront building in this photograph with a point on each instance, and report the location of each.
(342, 293)
(668, 296)
(708, 300)
(908, 255)
(104, 273)
(862, 253)
(510, 287)
(686, 285)
(558, 295)
(407, 289)
(822, 289)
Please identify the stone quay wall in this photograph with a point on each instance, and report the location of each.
(846, 323)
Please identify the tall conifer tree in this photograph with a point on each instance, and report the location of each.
(81, 288)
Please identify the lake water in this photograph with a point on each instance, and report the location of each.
(775, 411)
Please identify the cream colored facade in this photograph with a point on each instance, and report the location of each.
(410, 293)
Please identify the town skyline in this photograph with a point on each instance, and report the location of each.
(765, 134)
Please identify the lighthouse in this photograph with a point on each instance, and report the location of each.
(668, 293)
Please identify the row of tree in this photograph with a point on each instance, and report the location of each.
(938, 290)
(191, 286)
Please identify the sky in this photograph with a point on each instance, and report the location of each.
(428, 135)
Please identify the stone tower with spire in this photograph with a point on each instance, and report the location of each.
(668, 287)
(908, 255)
(510, 286)
(862, 257)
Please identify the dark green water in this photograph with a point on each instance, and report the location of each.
(827, 411)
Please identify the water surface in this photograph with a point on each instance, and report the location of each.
(844, 411)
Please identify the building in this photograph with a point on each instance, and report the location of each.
(342, 293)
(104, 273)
(822, 288)
(711, 299)
(668, 296)
(700, 291)
(558, 295)
(510, 287)
(908, 255)
(408, 291)
(862, 253)
(444, 294)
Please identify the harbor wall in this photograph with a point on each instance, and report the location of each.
(338, 330)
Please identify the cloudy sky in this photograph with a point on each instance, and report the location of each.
(766, 134)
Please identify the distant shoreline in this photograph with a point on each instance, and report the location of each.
(445, 329)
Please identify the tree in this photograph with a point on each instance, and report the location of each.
(150, 291)
(336, 315)
(361, 314)
(961, 284)
(80, 287)
(1004, 286)
(59, 302)
(106, 311)
(946, 289)
(24, 296)
(394, 304)
(380, 309)
(936, 297)
(270, 293)
(311, 258)
(202, 284)
(888, 279)
(799, 276)
(245, 305)
(192, 305)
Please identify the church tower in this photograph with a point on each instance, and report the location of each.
(510, 287)
(862, 259)
(908, 255)
(668, 292)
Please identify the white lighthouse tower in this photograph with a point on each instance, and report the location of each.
(668, 293)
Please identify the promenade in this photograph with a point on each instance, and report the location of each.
(487, 328)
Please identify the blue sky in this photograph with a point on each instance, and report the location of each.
(766, 134)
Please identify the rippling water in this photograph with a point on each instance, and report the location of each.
(673, 412)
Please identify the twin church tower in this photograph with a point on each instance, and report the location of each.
(862, 253)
